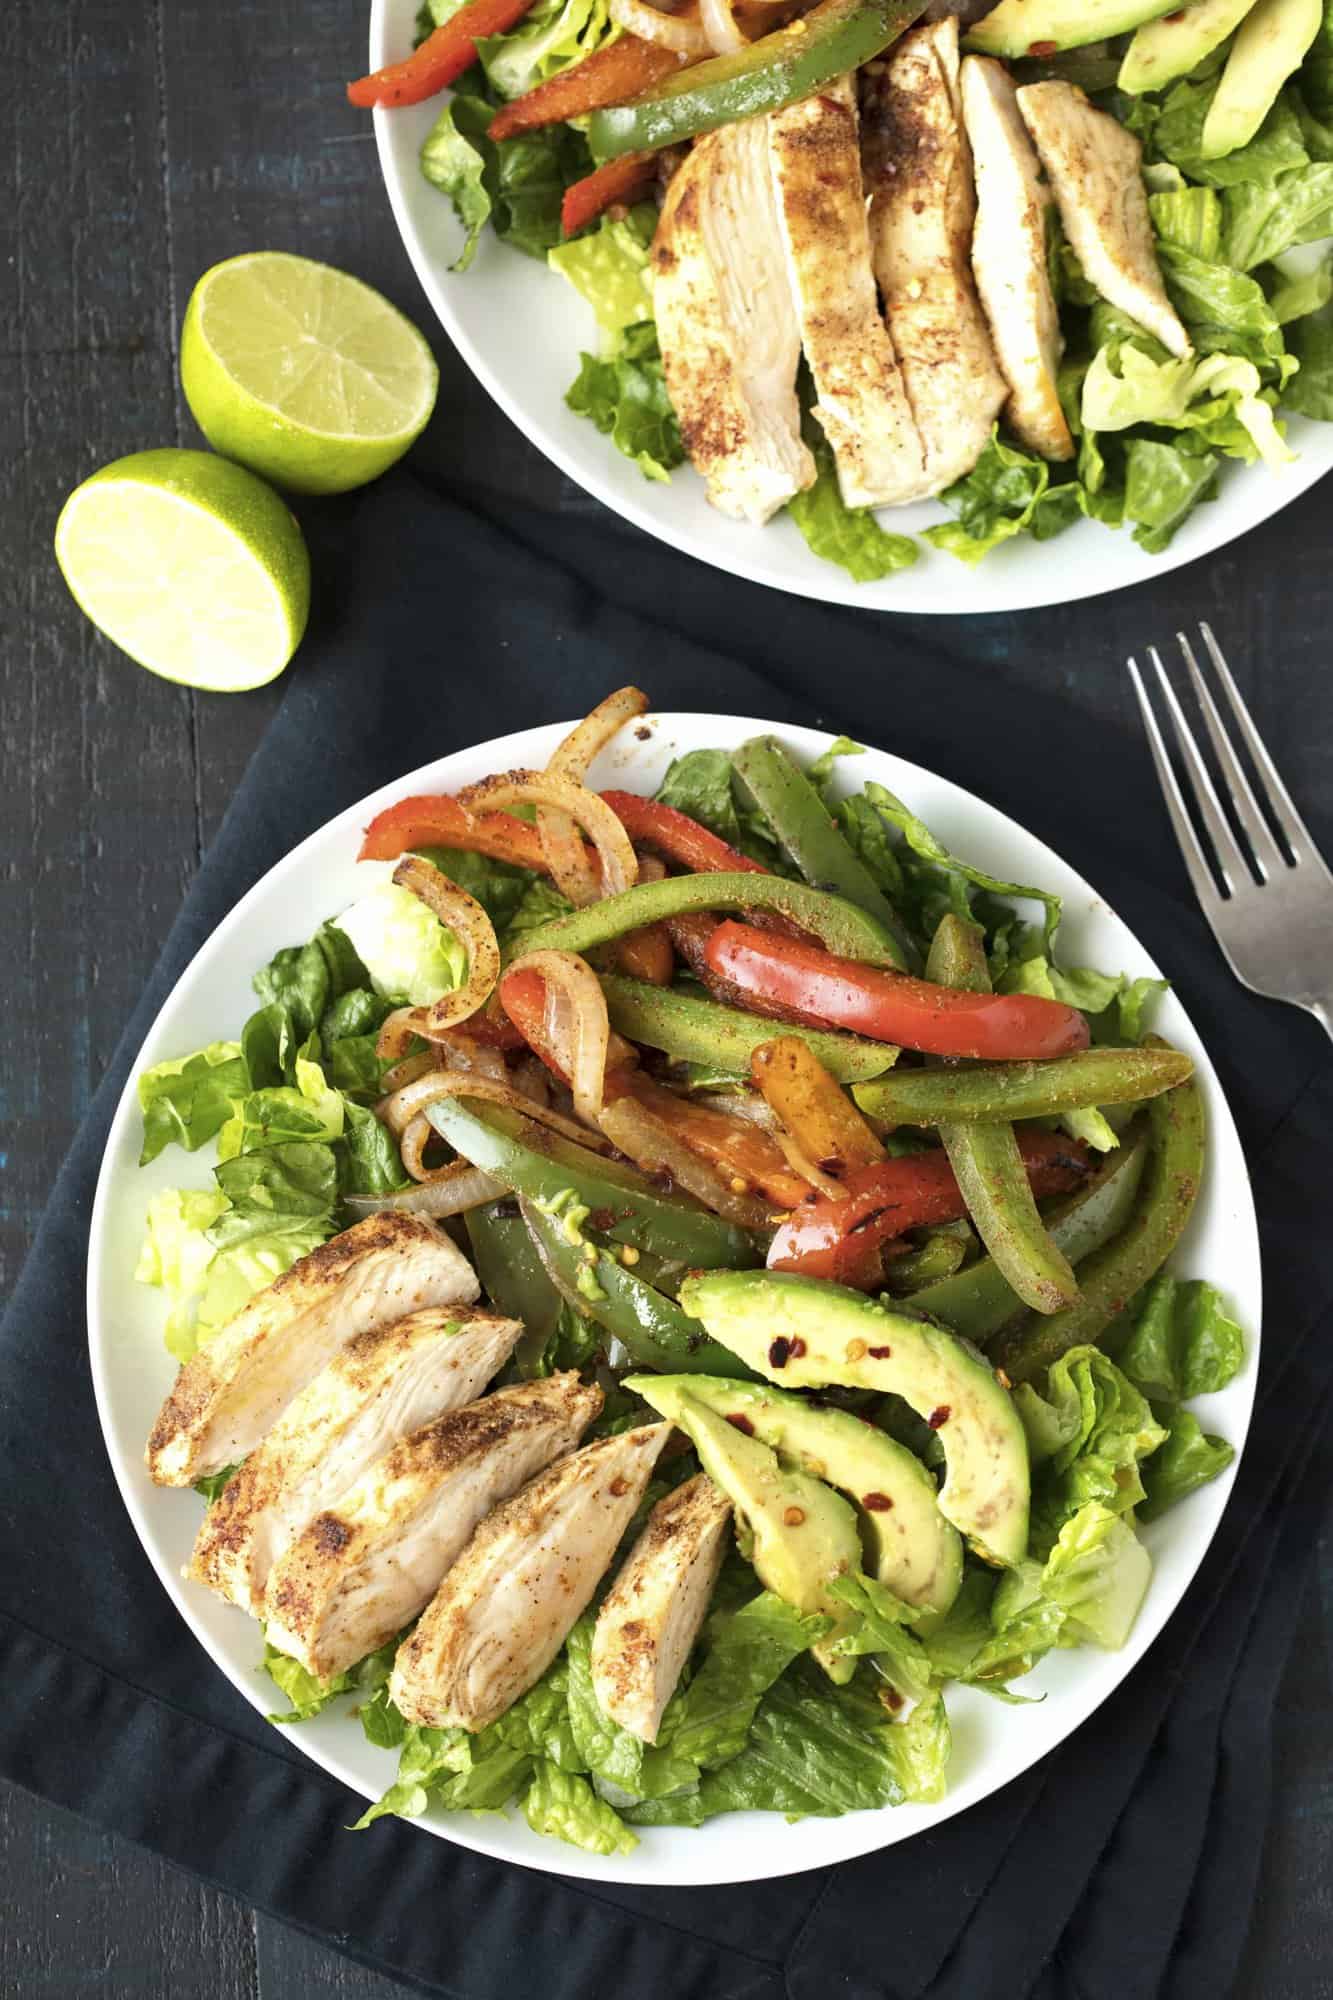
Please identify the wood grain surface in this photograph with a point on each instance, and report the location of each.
(147, 141)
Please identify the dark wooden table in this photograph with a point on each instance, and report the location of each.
(148, 141)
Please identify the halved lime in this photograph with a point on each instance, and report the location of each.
(190, 564)
(303, 373)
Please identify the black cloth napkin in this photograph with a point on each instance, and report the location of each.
(1125, 1863)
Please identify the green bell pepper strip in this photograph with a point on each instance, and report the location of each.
(845, 930)
(692, 1029)
(935, 1260)
(1002, 1092)
(1110, 1278)
(653, 1329)
(778, 69)
(979, 1302)
(986, 1159)
(537, 1163)
(514, 1278)
(800, 819)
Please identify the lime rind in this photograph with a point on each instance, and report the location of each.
(303, 373)
(191, 565)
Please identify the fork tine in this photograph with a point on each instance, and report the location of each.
(1191, 849)
(1267, 853)
(1277, 797)
(1231, 863)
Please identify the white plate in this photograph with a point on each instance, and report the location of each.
(132, 1372)
(520, 329)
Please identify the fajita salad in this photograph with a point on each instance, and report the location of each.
(843, 261)
(682, 1285)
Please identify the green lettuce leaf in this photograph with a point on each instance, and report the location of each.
(308, 1109)
(746, 1650)
(1184, 1341)
(1295, 294)
(555, 34)
(625, 395)
(608, 267)
(881, 1626)
(1008, 492)
(566, 1807)
(186, 1102)
(850, 537)
(817, 1750)
(1218, 397)
(497, 885)
(368, 1156)
(1088, 1591)
(409, 954)
(539, 903)
(1087, 1436)
(1188, 218)
(286, 1187)
(307, 1694)
(959, 875)
(1277, 148)
(1262, 220)
(604, 1749)
(516, 186)
(1163, 485)
(1311, 393)
(1188, 1459)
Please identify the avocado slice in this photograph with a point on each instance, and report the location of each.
(1171, 46)
(798, 1534)
(805, 1333)
(914, 1551)
(1043, 27)
(1271, 43)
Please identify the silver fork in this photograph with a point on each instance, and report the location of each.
(1269, 902)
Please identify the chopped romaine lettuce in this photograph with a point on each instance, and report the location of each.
(1188, 1459)
(1008, 492)
(566, 1806)
(207, 1285)
(1087, 1437)
(408, 952)
(187, 1102)
(625, 394)
(609, 268)
(553, 35)
(1184, 1341)
(851, 537)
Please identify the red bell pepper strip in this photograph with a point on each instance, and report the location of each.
(624, 180)
(436, 820)
(679, 837)
(611, 75)
(734, 1145)
(441, 58)
(844, 1240)
(821, 990)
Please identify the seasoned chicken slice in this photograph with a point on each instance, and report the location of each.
(861, 402)
(1095, 169)
(377, 1389)
(505, 1608)
(727, 325)
(651, 1615)
(364, 1567)
(234, 1389)
(918, 169)
(1009, 257)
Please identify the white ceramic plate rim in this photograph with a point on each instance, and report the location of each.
(131, 1371)
(520, 329)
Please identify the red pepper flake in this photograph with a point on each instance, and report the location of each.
(878, 1503)
(793, 1516)
(796, 1348)
(619, 1486)
(832, 1165)
(882, 1353)
(939, 1417)
(742, 1424)
(1043, 48)
(891, 1699)
(778, 1353)
(601, 1219)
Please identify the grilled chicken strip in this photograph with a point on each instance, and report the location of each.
(505, 1608)
(234, 1390)
(363, 1568)
(727, 325)
(1095, 169)
(918, 169)
(377, 1389)
(861, 402)
(1009, 257)
(651, 1615)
